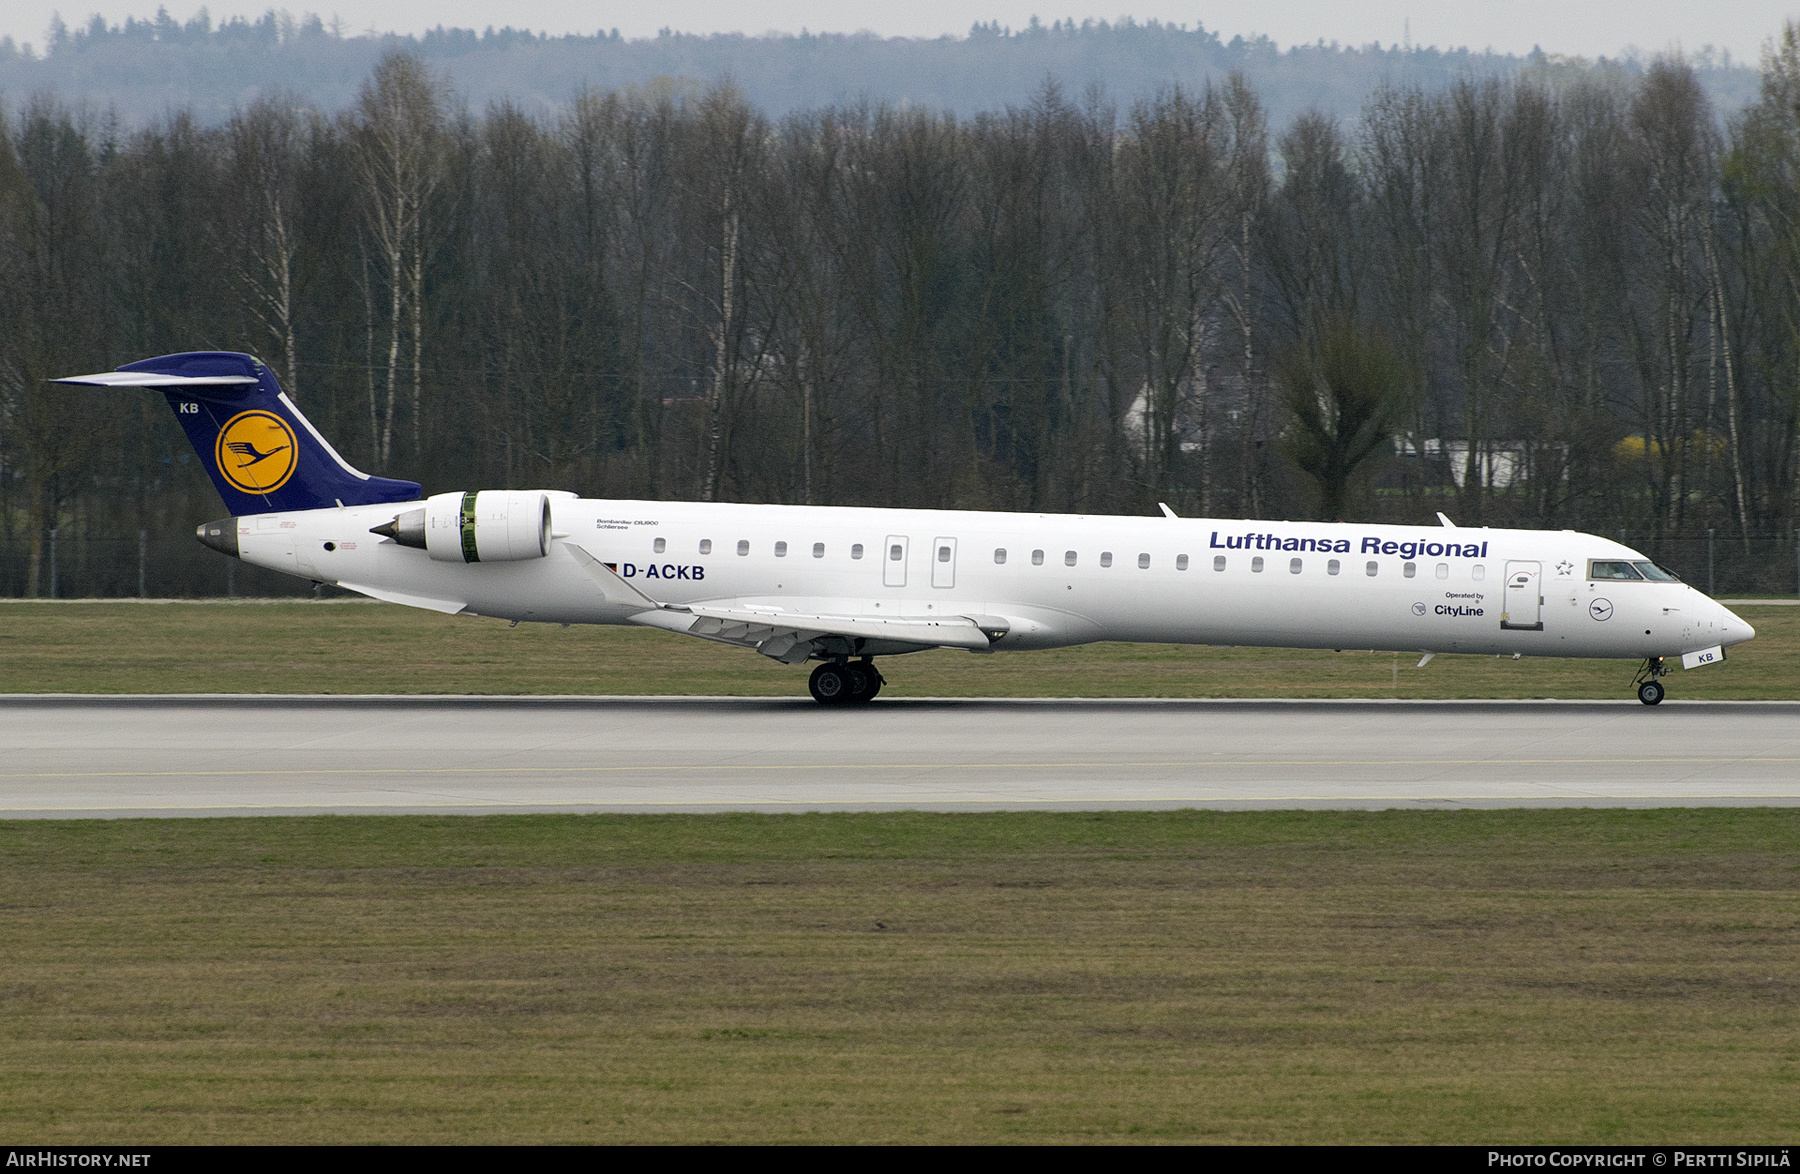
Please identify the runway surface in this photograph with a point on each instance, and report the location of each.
(91, 756)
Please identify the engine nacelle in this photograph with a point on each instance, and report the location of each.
(491, 526)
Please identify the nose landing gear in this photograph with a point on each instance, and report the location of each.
(845, 682)
(1649, 688)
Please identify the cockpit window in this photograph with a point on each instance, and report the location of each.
(1608, 570)
(1661, 574)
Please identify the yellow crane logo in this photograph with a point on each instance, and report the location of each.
(255, 451)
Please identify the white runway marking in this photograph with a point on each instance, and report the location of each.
(91, 756)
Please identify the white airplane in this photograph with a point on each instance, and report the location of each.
(844, 585)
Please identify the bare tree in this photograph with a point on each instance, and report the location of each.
(1249, 182)
(1402, 164)
(1346, 392)
(1765, 179)
(398, 132)
(260, 221)
(1677, 149)
(51, 281)
(1173, 220)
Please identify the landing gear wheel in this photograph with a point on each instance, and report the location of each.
(873, 676)
(862, 682)
(830, 685)
(1650, 692)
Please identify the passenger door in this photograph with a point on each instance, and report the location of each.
(1522, 606)
(943, 562)
(893, 561)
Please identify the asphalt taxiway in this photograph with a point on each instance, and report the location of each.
(64, 757)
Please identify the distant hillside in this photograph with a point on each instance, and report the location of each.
(145, 67)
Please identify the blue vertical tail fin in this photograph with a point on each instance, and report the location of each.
(262, 453)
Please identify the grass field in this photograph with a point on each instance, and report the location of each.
(1484, 976)
(1479, 976)
(355, 647)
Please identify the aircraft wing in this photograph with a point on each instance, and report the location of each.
(449, 607)
(789, 636)
(746, 625)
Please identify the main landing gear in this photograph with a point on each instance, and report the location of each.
(845, 682)
(1649, 687)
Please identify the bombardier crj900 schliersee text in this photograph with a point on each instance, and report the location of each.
(843, 586)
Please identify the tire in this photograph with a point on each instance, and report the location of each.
(862, 682)
(829, 685)
(1650, 692)
(875, 681)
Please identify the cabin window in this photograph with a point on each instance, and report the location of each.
(781, 550)
(1256, 565)
(943, 554)
(1373, 569)
(818, 550)
(1068, 558)
(896, 552)
(1143, 562)
(1410, 570)
(1478, 572)
(660, 545)
(1181, 562)
(1332, 567)
(999, 556)
(743, 547)
(1443, 570)
(1037, 558)
(1106, 558)
(856, 550)
(1218, 562)
(706, 546)
(1293, 566)
(1619, 570)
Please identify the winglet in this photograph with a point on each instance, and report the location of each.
(1446, 521)
(1167, 512)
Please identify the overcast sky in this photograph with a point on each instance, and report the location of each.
(1586, 28)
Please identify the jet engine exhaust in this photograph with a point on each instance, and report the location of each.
(408, 529)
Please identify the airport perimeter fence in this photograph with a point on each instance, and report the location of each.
(140, 566)
(180, 568)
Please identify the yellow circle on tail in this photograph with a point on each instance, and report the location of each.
(255, 451)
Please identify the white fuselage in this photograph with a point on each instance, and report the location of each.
(1054, 579)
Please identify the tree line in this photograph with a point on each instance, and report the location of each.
(142, 67)
(1565, 298)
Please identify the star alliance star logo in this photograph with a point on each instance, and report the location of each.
(1564, 568)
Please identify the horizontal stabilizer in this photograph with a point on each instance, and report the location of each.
(155, 379)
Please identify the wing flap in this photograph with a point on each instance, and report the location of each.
(744, 624)
(784, 635)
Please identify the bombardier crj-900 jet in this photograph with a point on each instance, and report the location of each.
(843, 586)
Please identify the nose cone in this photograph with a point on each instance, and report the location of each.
(1735, 629)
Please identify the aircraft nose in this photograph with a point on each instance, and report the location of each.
(1735, 628)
